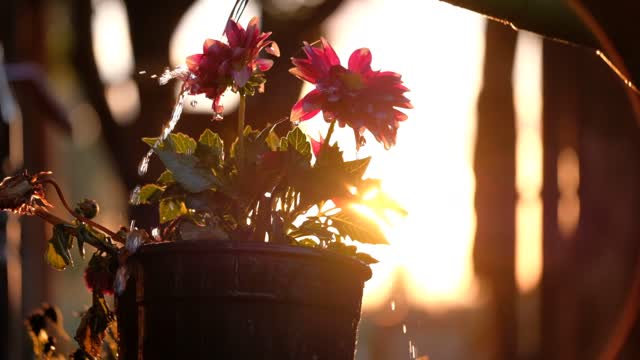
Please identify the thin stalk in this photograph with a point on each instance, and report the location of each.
(241, 113)
(113, 235)
(54, 220)
(329, 133)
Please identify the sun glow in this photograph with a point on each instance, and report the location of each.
(429, 170)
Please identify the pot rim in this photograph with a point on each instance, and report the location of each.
(233, 246)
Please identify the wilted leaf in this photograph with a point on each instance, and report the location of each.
(358, 227)
(93, 325)
(170, 209)
(150, 193)
(58, 253)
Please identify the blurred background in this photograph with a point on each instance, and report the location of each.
(518, 165)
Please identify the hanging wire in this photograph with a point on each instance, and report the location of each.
(236, 12)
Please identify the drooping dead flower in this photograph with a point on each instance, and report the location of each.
(23, 193)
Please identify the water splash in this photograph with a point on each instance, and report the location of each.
(217, 117)
(134, 198)
(155, 232)
(166, 130)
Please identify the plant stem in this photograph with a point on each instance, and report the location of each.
(113, 235)
(241, 113)
(54, 220)
(329, 133)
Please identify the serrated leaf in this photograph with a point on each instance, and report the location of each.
(210, 139)
(58, 253)
(273, 141)
(187, 172)
(357, 168)
(298, 141)
(166, 178)
(150, 193)
(366, 258)
(179, 142)
(151, 141)
(312, 227)
(284, 143)
(182, 143)
(170, 209)
(358, 227)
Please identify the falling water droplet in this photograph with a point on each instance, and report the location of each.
(393, 305)
(155, 232)
(404, 328)
(217, 117)
(144, 163)
(362, 141)
(154, 76)
(134, 199)
(142, 72)
(193, 103)
(295, 123)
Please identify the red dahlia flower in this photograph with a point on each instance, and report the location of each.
(100, 274)
(234, 65)
(357, 96)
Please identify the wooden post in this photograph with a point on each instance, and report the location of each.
(495, 198)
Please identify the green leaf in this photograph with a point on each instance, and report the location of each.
(170, 209)
(210, 149)
(358, 227)
(179, 142)
(342, 248)
(312, 227)
(366, 258)
(298, 141)
(58, 253)
(150, 193)
(166, 178)
(284, 143)
(187, 172)
(357, 168)
(273, 141)
(182, 143)
(210, 139)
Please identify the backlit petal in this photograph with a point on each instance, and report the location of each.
(360, 61)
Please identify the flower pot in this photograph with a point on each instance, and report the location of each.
(240, 300)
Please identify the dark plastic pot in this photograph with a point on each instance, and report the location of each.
(240, 300)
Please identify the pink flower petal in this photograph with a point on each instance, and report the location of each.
(193, 62)
(234, 33)
(264, 64)
(360, 61)
(272, 48)
(329, 52)
(316, 145)
(303, 110)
